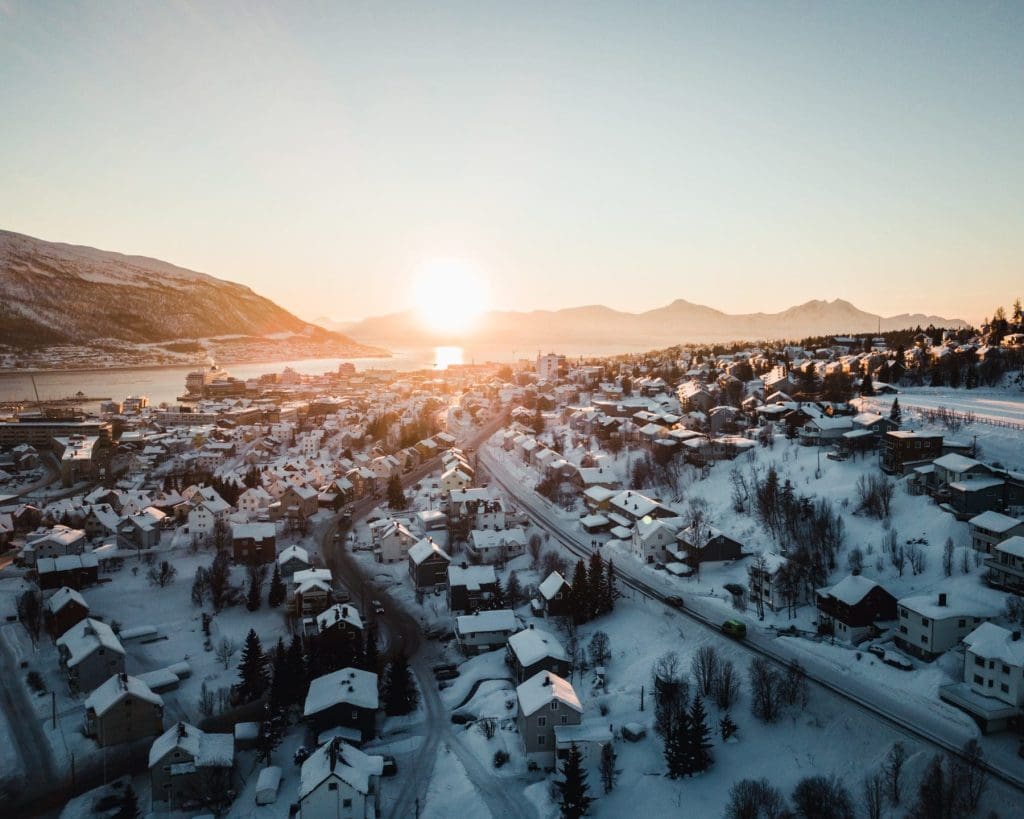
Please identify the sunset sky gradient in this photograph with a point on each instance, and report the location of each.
(748, 156)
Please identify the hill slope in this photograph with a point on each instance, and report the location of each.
(54, 293)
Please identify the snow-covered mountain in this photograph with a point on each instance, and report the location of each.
(54, 293)
(678, 322)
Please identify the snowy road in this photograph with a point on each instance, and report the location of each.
(933, 727)
(27, 737)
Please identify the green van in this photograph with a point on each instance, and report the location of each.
(735, 628)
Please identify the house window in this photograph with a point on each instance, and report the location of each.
(1006, 669)
(564, 719)
(903, 629)
(542, 740)
(542, 722)
(924, 638)
(332, 786)
(346, 803)
(978, 680)
(554, 706)
(1005, 688)
(924, 621)
(979, 661)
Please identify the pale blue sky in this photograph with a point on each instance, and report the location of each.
(744, 155)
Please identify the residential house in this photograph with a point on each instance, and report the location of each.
(344, 699)
(188, 767)
(1006, 565)
(929, 625)
(902, 450)
(485, 630)
(339, 780)
(652, 538)
(533, 650)
(992, 690)
(76, 571)
(455, 479)
(706, 544)
(299, 502)
(545, 701)
(255, 501)
(57, 542)
(311, 592)
(293, 559)
(142, 530)
(393, 542)
(553, 596)
(89, 654)
(470, 587)
(65, 608)
(989, 529)
(765, 581)
(253, 543)
(849, 609)
(495, 545)
(123, 709)
(428, 564)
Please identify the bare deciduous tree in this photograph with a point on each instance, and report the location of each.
(705, 667)
(225, 650)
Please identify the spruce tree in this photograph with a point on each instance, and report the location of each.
(371, 657)
(251, 670)
(727, 728)
(279, 685)
(513, 591)
(611, 593)
(253, 598)
(497, 600)
(595, 582)
(278, 592)
(700, 737)
(580, 599)
(296, 680)
(400, 695)
(678, 751)
(866, 385)
(896, 412)
(573, 788)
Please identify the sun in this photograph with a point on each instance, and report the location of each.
(449, 295)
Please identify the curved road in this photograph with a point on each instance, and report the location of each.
(405, 638)
(536, 508)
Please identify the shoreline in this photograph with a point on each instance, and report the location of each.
(13, 371)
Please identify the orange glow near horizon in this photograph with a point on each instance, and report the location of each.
(450, 295)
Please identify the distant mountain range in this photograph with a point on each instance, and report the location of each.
(676, 323)
(53, 293)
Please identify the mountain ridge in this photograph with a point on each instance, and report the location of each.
(680, 321)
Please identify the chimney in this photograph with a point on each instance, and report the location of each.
(942, 598)
(182, 733)
(547, 680)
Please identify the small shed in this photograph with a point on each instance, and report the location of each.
(267, 785)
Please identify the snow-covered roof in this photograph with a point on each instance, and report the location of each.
(206, 750)
(307, 575)
(927, 605)
(493, 538)
(851, 590)
(533, 644)
(352, 686)
(115, 689)
(486, 621)
(994, 522)
(976, 484)
(63, 597)
(255, 531)
(339, 613)
(472, 577)
(996, 643)
(293, 553)
(544, 687)
(634, 503)
(423, 549)
(599, 494)
(1012, 546)
(551, 585)
(83, 638)
(956, 463)
(337, 758)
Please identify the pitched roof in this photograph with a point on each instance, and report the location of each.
(206, 750)
(543, 688)
(347, 685)
(551, 585)
(424, 548)
(83, 638)
(115, 689)
(533, 644)
(337, 758)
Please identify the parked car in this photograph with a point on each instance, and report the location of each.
(440, 668)
(390, 766)
(734, 628)
(675, 601)
(448, 674)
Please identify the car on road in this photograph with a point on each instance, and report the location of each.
(377, 606)
(734, 628)
(390, 766)
(442, 667)
(447, 674)
(675, 601)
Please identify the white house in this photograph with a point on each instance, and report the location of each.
(652, 538)
(494, 545)
(992, 690)
(929, 625)
(339, 780)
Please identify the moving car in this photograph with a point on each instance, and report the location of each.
(734, 628)
(675, 601)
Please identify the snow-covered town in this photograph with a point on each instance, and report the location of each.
(695, 580)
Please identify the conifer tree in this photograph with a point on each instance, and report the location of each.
(580, 599)
(400, 695)
(253, 597)
(595, 582)
(296, 680)
(678, 749)
(371, 656)
(572, 787)
(611, 593)
(497, 600)
(278, 592)
(700, 737)
(896, 412)
(727, 727)
(279, 678)
(513, 591)
(251, 670)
